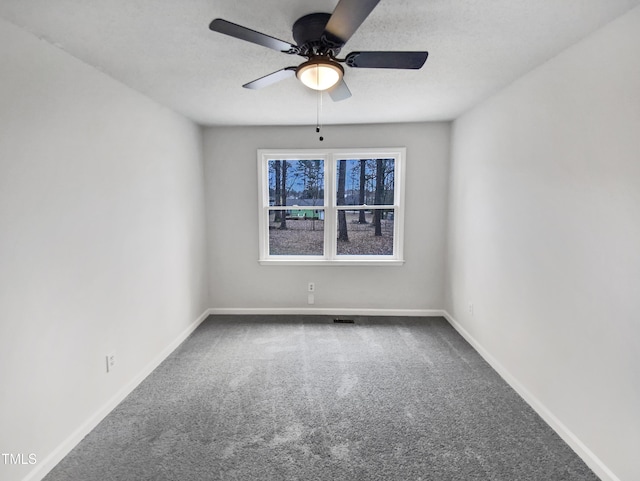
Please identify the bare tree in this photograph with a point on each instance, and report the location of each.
(363, 171)
(379, 194)
(278, 190)
(311, 173)
(342, 217)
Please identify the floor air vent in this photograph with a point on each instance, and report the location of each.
(343, 321)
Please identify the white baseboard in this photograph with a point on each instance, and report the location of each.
(590, 459)
(50, 461)
(328, 311)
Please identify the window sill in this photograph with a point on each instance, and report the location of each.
(325, 262)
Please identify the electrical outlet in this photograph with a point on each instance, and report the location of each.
(471, 309)
(311, 287)
(310, 299)
(111, 361)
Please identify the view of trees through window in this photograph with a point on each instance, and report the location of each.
(363, 196)
(297, 230)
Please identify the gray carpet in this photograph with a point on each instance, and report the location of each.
(302, 398)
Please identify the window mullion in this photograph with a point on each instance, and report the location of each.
(366, 207)
(331, 230)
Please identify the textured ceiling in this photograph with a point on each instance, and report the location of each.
(164, 49)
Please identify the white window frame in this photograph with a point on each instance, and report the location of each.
(330, 207)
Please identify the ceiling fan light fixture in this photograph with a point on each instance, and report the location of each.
(320, 73)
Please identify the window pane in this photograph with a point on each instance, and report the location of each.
(363, 232)
(298, 182)
(365, 181)
(296, 232)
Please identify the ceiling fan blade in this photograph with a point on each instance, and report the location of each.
(340, 91)
(346, 18)
(271, 78)
(404, 60)
(244, 33)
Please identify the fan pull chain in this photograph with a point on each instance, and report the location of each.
(319, 111)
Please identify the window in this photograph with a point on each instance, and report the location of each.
(331, 206)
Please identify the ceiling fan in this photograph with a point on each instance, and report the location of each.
(319, 38)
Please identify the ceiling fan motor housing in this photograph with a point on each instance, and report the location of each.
(308, 33)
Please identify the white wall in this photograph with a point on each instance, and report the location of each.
(101, 241)
(544, 239)
(238, 281)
